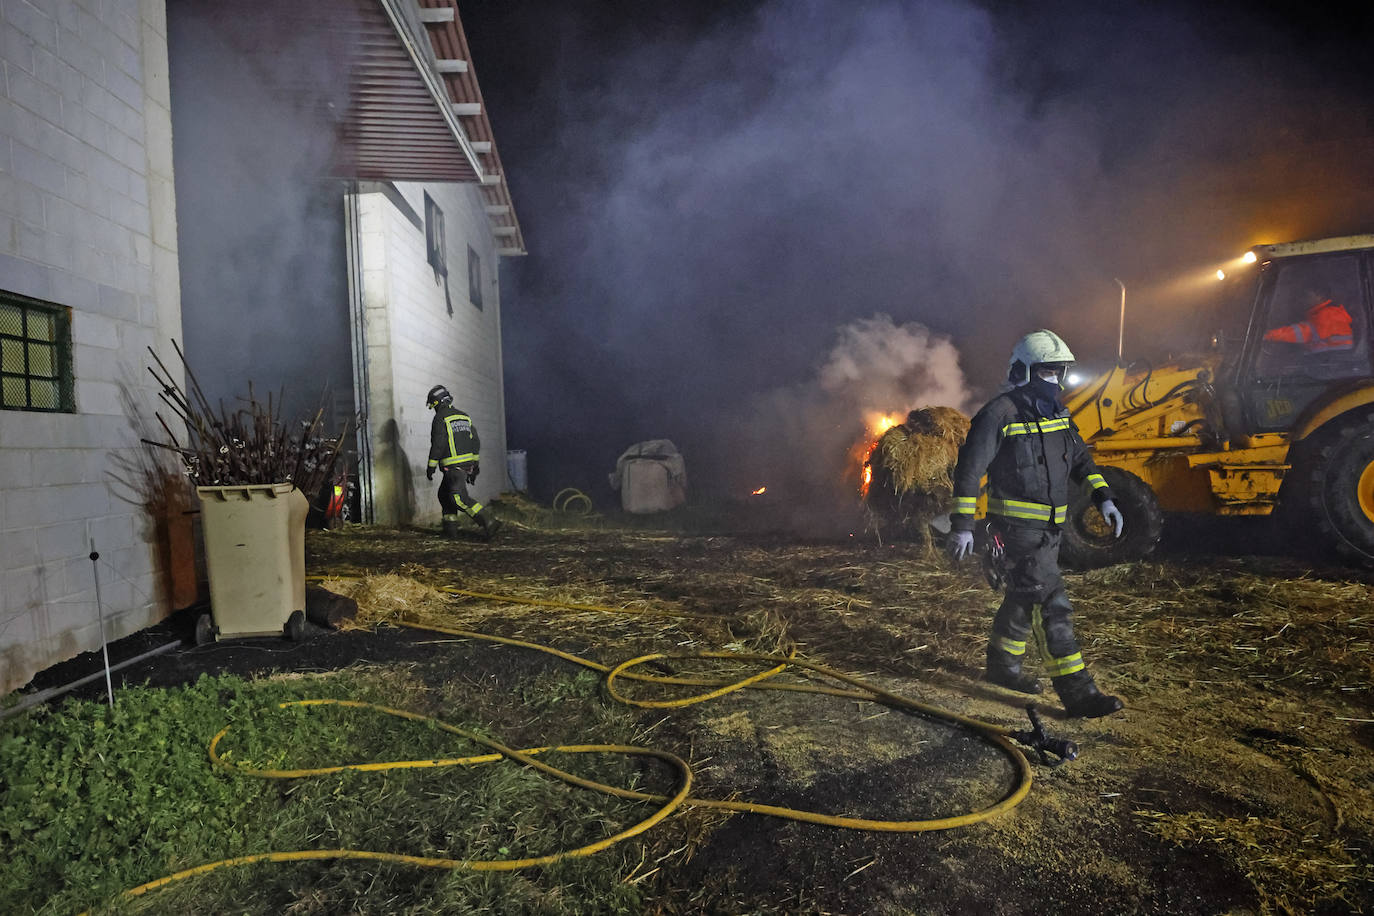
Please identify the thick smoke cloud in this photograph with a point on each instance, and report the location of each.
(256, 96)
(707, 200)
(805, 442)
(711, 193)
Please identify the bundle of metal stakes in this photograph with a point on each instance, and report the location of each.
(250, 445)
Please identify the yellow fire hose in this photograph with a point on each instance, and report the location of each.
(997, 734)
(572, 500)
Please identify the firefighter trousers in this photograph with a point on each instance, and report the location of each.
(1036, 604)
(453, 493)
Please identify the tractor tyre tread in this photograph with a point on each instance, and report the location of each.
(1332, 488)
(1144, 521)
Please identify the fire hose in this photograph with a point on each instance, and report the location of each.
(572, 501)
(1036, 739)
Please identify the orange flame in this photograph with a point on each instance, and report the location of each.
(759, 491)
(862, 451)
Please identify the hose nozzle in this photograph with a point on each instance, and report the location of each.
(1045, 744)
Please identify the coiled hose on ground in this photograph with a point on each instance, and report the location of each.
(858, 689)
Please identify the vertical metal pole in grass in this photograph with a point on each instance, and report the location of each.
(100, 611)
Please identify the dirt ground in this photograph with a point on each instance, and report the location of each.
(1237, 780)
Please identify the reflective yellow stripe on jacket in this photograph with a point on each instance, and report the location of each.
(1042, 426)
(451, 460)
(1021, 508)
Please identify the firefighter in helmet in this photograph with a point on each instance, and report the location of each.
(453, 450)
(1034, 458)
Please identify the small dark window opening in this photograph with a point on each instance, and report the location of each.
(435, 247)
(474, 278)
(35, 355)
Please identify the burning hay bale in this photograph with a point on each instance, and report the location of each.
(910, 471)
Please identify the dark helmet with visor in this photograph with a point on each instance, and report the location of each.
(438, 395)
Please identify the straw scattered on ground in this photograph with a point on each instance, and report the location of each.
(1238, 778)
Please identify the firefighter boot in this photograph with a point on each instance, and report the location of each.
(450, 526)
(1004, 670)
(490, 523)
(1081, 697)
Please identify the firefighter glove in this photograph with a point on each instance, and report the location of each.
(960, 544)
(472, 473)
(429, 472)
(1112, 516)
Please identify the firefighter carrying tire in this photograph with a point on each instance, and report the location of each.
(1339, 488)
(1088, 541)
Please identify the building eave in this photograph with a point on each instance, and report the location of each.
(415, 109)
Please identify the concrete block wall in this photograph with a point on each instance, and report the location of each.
(87, 221)
(414, 343)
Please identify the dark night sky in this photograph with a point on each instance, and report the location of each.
(749, 222)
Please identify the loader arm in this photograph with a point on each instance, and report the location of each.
(1165, 426)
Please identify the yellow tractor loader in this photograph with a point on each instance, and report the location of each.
(1283, 422)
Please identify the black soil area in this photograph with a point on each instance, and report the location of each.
(322, 649)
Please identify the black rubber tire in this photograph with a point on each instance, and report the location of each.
(295, 626)
(1088, 542)
(1340, 490)
(205, 630)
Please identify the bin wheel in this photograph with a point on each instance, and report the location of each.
(295, 626)
(205, 630)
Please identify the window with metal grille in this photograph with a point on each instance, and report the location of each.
(35, 355)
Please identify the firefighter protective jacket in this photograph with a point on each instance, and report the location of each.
(452, 439)
(1034, 465)
(1327, 327)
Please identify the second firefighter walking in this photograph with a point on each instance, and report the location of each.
(453, 450)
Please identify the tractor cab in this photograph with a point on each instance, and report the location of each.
(1285, 419)
(1308, 333)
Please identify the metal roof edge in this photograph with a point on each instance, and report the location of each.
(403, 19)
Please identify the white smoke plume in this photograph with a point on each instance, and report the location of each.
(805, 442)
(877, 364)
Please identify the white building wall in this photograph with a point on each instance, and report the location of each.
(87, 221)
(415, 343)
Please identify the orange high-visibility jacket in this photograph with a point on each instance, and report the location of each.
(1327, 327)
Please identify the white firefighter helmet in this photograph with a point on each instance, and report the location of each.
(1036, 348)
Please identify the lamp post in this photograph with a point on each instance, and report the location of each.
(1121, 325)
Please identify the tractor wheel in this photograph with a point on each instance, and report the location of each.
(1341, 489)
(1088, 540)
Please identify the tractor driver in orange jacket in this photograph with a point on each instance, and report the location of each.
(1324, 329)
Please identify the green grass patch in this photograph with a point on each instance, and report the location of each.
(95, 801)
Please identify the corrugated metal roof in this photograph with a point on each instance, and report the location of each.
(415, 110)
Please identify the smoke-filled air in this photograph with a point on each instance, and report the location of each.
(807, 442)
(714, 194)
(711, 204)
(711, 199)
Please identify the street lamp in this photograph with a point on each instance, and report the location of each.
(1121, 325)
